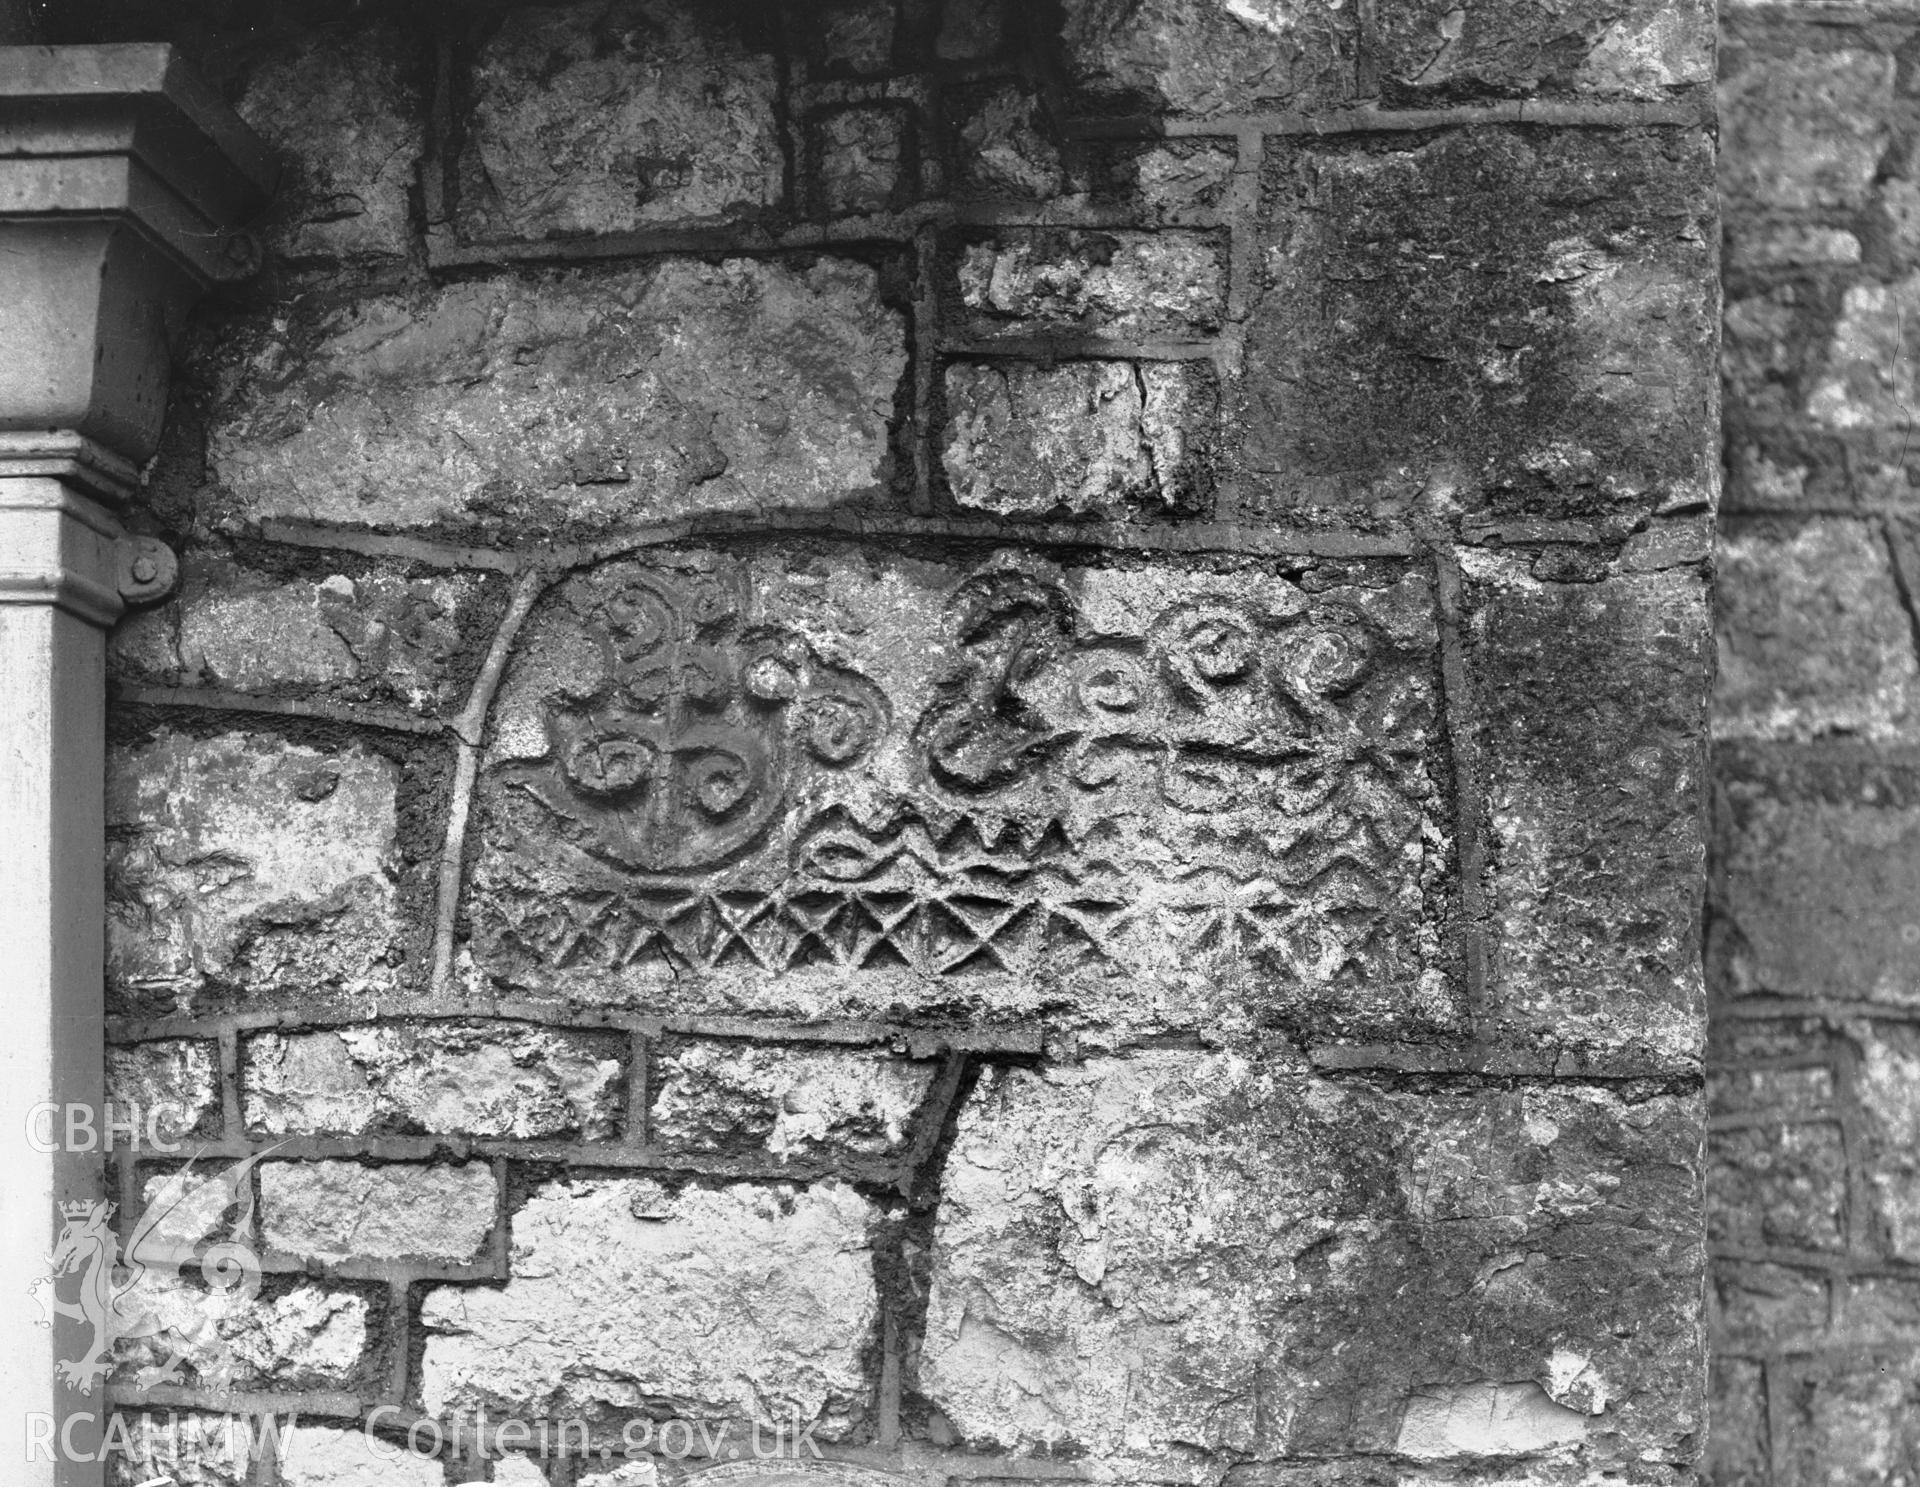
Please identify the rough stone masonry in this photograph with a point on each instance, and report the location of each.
(973, 728)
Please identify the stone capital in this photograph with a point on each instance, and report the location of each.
(125, 189)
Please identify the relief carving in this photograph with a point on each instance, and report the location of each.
(753, 788)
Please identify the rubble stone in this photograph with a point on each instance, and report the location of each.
(1629, 49)
(380, 637)
(440, 1078)
(608, 118)
(1819, 875)
(1090, 438)
(346, 116)
(242, 860)
(741, 1098)
(1119, 284)
(173, 1332)
(332, 1211)
(1210, 57)
(171, 1088)
(1814, 638)
(742, 1303)
(1806, 130)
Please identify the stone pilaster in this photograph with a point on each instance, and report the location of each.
(121, 185)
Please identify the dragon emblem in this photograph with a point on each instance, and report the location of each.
(123, 1296)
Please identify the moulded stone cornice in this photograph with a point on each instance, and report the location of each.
(125, 189)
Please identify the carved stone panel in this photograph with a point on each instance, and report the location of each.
(1118, 797)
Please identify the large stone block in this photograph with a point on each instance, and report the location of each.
(1111, 439)
(820, 783)
(1805, 130)
(1818, 882)
(1887, 1091)
(347, 117)
(745, 1099)
(605, 118)
(1846, 1419)
(250, 865)
(1766, 1308)
(1178, 1250)
(381, 635)
(1814, 637)
(437, 1078)
(332, 1211)
(1592, 744)
(1210, 56)
(570, 402)
(1485, 319)
(1780, 1185)
(1433, 50)
(1867, 382)
(1737, 1446)
(747, 1303)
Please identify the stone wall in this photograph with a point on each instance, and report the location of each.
(1813, 951)
(976, 727)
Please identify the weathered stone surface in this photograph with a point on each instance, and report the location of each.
(1847, 1419)
(1593, 700)
(971, 30)
(191, 1448)
(1429, 50)
(1805, 130)
(1765, 1306)
(1003, 147)
(1737, 1444)
(743, 1099)
(606, 118)
(1129, 284)
(384, 636)
(1130, 1254)
(1800, 1092)
(326, 1456)
(1777, 1185)
(1210, 56)
(1791, 244)
(440, 1078)
(347, 118)
(1485, 318)
(335, 1211)
(1818, 882)
(1762, 352)
(170, 1087)
(824, 783)
(580, 401)
(744, 1303)
(862, 157)
(1868, 382)
(838, 37)
(172, 1332)
(1887, 1088)
(1814, 638)
(1111, 439)
(248, 863)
